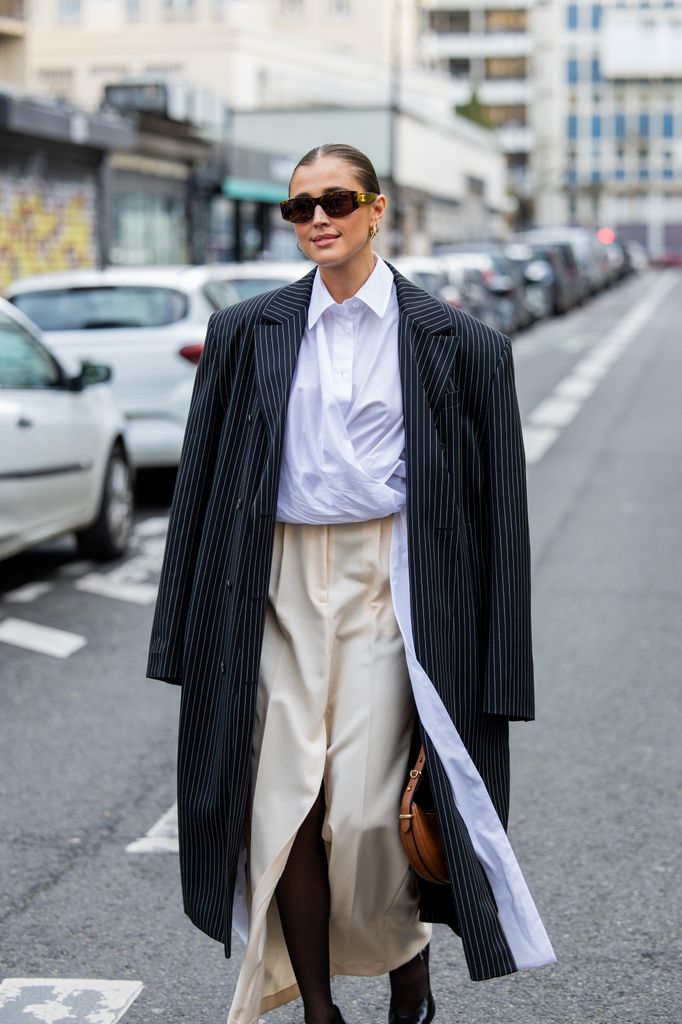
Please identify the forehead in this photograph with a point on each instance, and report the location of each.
(327, 172)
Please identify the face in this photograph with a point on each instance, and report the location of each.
(332, 242)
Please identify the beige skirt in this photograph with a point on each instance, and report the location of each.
(335, 707)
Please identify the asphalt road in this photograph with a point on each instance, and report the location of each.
(87, 762)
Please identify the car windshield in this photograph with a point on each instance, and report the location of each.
(112, 306)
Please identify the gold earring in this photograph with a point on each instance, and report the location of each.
(374, 231)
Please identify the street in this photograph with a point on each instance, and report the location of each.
(88, 854)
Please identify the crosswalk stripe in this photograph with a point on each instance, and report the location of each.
(78, 1000)
(44, 639)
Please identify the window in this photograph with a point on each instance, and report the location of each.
(596, 177)
(23, 362)
(505, 21)
(596, 16)
(458, 67)
(572, 71)
(619, 174)
(124, 306)
(507, 116)
(619, 126)
(644, 126)
(506, 67)
(572, 126)
(177, 10)
(572, 16)
(596, 126)
(449, 21)
(596, 70)
(133, 10)
(668, 126)
(68, 11)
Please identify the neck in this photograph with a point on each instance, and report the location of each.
(344, 281)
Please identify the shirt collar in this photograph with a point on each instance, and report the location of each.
(375, 293)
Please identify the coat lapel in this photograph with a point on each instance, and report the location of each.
(277, 340)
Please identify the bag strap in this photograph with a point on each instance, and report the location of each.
(405, 815)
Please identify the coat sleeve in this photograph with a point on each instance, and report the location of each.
(509, 687)
(188, 510)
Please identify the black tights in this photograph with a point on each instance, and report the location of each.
(303, 903)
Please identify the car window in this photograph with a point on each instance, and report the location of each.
(249, 286)
(220, 294)
(23, 362)
(113, 306)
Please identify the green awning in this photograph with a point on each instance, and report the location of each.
(255, 191)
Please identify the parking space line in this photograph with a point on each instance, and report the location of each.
(121, 590)
(161, 838)
(79, 1000)
(543, 424)
(29, 592)
(57, 643)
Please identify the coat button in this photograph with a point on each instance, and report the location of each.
(229, 584)
(249, 418)
(239, 504)
(222, 667)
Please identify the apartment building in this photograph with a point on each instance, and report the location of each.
(486, 46)
(607, 118)
(13, 19)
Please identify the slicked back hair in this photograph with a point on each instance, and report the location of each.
(362, 164)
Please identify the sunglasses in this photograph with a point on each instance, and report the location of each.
(335, 204)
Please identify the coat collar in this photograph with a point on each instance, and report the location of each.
(427, 347)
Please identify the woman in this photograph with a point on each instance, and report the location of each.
(347, 569)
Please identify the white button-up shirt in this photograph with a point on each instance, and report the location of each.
(347, 385)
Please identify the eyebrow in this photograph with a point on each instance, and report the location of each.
(332, 188)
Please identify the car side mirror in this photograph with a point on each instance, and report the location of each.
(90, 373)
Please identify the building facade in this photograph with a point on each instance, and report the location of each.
(13, 30)
(608, 118)
(486, 47)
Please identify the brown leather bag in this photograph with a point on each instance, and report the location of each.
(420, 833)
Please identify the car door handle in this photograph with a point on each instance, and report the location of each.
(24, 421)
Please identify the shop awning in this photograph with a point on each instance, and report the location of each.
(254, 191)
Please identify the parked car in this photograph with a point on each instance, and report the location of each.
(64, 461)
(499, 280)
(429, 273)
(255, 277)
(147, 324)
(537, 275)
(567, 290)
(476, 297)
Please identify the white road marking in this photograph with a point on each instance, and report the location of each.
(135, 593)
(536, 441)
(565, 401)
(29, 592)
(152, 527)
(43, 639)
(554, 411)
(161, 838)
(78, 1000)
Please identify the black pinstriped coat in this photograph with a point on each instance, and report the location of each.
(469, 572)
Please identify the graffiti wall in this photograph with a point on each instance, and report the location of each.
(45, 225)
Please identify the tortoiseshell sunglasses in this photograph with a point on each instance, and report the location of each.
(335, 204)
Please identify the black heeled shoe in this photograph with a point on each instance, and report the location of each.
(426, 1010)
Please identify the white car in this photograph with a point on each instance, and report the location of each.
(147, 324)
(64, 464)
(257, 276)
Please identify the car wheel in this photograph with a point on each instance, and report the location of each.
(108, 536)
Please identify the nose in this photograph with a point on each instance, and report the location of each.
(320, 215)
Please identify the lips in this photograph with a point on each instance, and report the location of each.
(324, 239)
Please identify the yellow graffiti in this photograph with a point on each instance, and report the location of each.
(45, 226)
